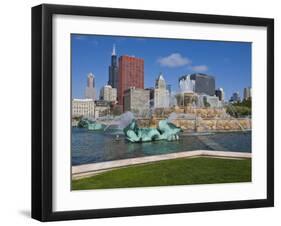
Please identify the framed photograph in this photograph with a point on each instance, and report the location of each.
(145, 112)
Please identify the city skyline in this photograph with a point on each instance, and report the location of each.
(228, 62)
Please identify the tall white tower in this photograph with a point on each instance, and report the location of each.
(161, 94)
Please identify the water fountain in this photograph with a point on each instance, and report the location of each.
(234, 112)
(127, 125)
(165, 131)
(117, 125)
(185, 112)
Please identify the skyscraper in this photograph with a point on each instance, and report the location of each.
(198, 83)
(247, 93)
(204, 83)
(130, 74)
(161, 94)
(113, 70)
(90, 91)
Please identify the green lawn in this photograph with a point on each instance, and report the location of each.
(200, 170)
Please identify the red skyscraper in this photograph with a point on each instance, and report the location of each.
(131, 74)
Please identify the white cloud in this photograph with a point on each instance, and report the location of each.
(177, 60)
(174, 60)
(199, 68)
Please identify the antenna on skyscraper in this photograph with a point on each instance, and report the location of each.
(113, 50)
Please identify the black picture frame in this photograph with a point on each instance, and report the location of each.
(42, 107)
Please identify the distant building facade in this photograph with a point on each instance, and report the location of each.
(108, 93)
(90, 91)
(198, 83)
(136, 100)
(113, 70)
(204, 84)
(102, 108)
(161, 94)
(130, 74)
(247, 93)
(83, 107)
(151, 96)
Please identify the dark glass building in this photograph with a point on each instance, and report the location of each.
(204, 84)
(113, 70)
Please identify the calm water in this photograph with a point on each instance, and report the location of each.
(91, 147)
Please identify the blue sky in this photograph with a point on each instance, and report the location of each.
(229, 62)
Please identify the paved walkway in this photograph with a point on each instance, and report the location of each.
(87, 170)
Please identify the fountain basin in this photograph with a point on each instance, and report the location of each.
(90, 124)
(96, 126)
